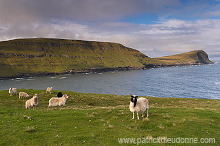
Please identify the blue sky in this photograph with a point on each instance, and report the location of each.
(154, 27)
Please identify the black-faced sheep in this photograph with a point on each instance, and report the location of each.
(55, 101)
(12, 91)
(31, 103)
(138, 105)
(59, 94)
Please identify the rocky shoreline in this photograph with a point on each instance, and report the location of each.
(100, 70)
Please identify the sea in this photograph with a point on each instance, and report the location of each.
(199, 81)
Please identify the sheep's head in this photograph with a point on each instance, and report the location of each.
(35, 97)
(66, 96)
(134, 99)
(35, 94)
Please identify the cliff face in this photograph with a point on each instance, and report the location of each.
(190, 58)
(202, 57)
(40, 56)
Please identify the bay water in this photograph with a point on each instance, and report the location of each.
(202, 81)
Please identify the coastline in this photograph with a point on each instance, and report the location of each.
(100, 70)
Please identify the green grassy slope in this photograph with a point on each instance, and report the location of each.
(26, 56)
(193, 57)
(42, 56)
(101, 119)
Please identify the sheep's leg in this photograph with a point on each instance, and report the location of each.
(147, 112)
(133, 115)
(143, 113)
(138, 116)
(34, 107)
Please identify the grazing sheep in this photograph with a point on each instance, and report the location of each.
(12, 91)
(23, 94)
(31, 103)
(138, 105)
(59, 94)
(49, 89)
(55, 101)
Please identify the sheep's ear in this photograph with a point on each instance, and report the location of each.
(136, 96)
(132, 95)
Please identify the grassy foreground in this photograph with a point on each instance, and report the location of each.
(98, 119)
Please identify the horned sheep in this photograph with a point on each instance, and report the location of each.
(55, 101)
(31, 103)
(138, 105)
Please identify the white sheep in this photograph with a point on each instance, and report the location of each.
(49, 89)
(23, 94)
(31, 103)
(138, 105)
(55, 101)
(12, 91)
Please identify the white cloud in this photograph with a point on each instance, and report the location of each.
(172, 36)
(165, 38)
(99, 20)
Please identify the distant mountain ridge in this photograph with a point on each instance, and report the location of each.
(44, 56)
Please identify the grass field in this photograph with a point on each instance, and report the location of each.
(99, 119)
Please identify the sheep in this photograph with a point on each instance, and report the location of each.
(138, 105)
(59, 94)
(49, 89)
(55, 101)
(31, 103)
(12, 91)
(23, 94)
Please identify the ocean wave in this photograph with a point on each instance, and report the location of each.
(30, 79)
(19, 78)
(217, 83)
(62, 78)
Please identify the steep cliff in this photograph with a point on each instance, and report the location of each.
(41, 56)
(189, 58)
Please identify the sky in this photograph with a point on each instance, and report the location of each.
(154, 27)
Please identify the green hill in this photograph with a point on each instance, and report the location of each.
(190, 58)
(41, 56)
(103, 120)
